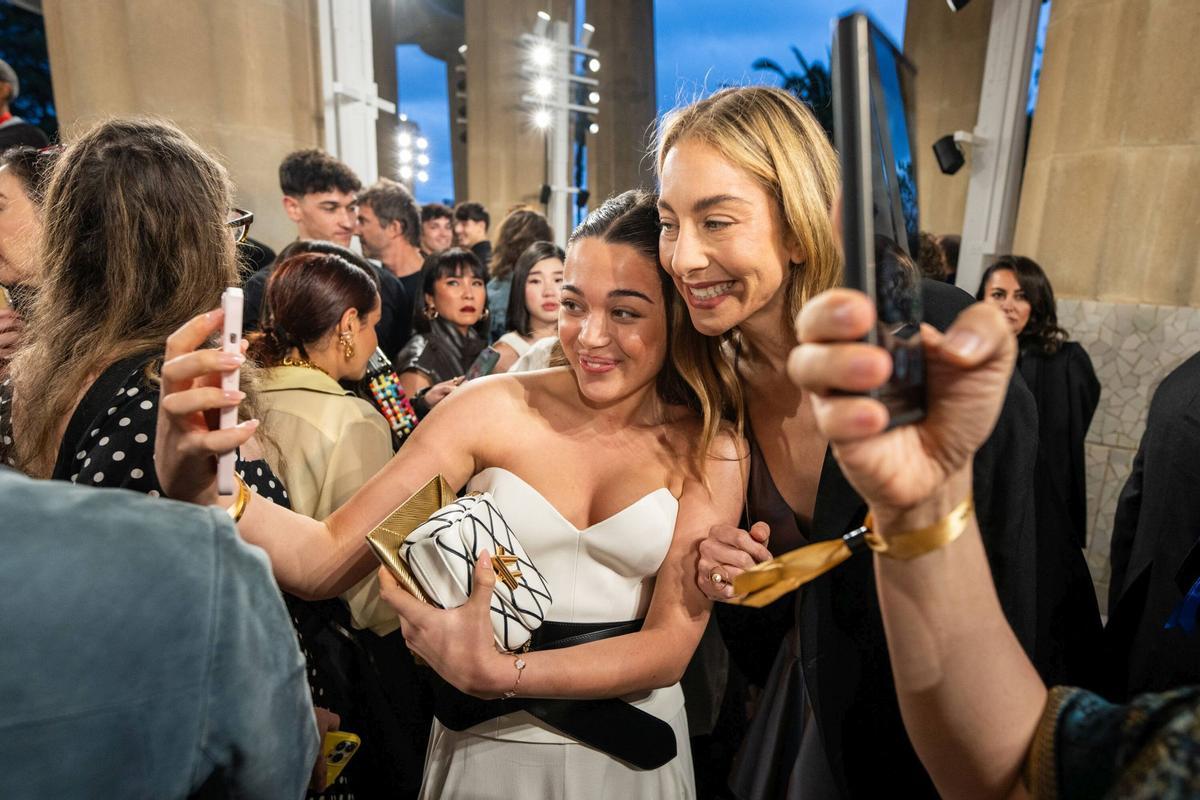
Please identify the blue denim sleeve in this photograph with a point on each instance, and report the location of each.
(259, 736)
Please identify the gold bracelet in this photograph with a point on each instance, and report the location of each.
(907, 545)
(519, 663)
(240, 502)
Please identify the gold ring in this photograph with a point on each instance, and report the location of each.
(717, 578)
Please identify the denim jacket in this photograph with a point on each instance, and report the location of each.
(145, 652)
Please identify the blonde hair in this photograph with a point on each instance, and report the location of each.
(776, 139)
(134, 245)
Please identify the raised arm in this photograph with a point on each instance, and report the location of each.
(970, 698)
(309, 558)
(459, 644)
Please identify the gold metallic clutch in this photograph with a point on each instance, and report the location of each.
(385, 539)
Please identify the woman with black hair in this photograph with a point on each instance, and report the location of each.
(1059, 374)
(450, 331)
(533, 303)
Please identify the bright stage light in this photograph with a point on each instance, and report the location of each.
(542, 87)
(593, 97)
(594, 128)
(406, 172)
(541, 55)
(541, 118)
(423, 176)
(422, 143)
(405, 139)
(594, 64)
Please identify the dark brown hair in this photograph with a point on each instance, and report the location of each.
(1041, 333)
(304, 300)
(310, 171)
(521, 228)
(518, 318)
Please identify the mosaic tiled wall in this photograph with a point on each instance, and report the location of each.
(1133, 347)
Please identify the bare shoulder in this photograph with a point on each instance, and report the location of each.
(498, 397)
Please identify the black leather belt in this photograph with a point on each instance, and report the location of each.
(611, 725)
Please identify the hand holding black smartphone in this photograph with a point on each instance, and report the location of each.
(879, 204)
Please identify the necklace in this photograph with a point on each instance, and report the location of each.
(288, 361)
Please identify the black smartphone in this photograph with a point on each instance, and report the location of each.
(483, 364)
(879, 202)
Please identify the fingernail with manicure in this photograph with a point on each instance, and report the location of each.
(233, 394)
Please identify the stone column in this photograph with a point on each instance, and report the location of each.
(617, 157)
(241, 78)
(948, 50)
(1110, 201)
(506, 162)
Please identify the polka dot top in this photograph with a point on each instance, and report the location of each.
(116, 446)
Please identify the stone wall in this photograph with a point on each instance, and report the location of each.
(1132, 347)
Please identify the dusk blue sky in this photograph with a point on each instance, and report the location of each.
(700, 46)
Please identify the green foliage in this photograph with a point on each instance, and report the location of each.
(812, 85)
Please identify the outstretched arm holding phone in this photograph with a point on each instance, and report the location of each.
(977, 713)
(970, 698)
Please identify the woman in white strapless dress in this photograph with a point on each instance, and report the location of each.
(609, 469)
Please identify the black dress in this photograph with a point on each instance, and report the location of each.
(1066, 391)
(829, 723)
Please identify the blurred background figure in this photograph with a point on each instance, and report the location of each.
(15, 131)
(931, 259)
(950, 244)
(471, 221)
(449, 330)
(521, 228)
(533, 303)
(23, 175)
(1059, 374)
(437, 228)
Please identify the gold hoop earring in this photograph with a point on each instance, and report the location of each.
(347, 344)
(431, 313)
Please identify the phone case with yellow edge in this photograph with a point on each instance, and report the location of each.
(338, 748)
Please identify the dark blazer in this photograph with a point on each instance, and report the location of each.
(395, 308)
(1156, 533)
(843, 650)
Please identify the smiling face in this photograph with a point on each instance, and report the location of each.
(723, 241)
(437, 235)
(20, 230)
(543, 290)
(459, 299)
(1004, 291)
(613, 323)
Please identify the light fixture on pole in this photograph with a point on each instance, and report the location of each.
(561, 98)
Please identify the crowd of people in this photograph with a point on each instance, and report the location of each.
(674, 399)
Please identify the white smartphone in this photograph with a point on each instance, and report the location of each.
(231, 342)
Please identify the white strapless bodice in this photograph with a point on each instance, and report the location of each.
(603, 573)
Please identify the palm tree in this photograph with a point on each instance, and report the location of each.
(813, 85)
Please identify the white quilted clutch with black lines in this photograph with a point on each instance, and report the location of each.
(441, 554)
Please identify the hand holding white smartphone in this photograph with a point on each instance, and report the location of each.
(231, 342)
